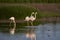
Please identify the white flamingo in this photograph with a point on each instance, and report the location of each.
(12, 30)
(32, 18)
(27, 18)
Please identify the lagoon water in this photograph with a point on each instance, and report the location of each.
(48, 31)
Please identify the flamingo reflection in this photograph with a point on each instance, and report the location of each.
(31, 35)
(12, 20)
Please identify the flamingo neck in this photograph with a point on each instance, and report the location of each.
(14, 24)
(35, 15)
(31, 14)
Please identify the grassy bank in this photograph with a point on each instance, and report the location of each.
(20, 12)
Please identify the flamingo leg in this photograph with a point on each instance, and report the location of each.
(27, 23)
(31, 23)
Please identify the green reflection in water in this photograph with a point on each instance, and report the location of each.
(20, 27)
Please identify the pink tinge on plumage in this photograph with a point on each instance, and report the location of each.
(32, 18)
(27, 18)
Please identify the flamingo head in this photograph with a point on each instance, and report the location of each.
(32, 12)
(35, 12)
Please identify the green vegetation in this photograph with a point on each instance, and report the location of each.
(20, 12)
(49, 14)
(29, 1)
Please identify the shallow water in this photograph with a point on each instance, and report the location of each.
(48, 31)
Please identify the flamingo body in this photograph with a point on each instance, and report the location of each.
(32, 18)
(12, 18)
(27, 18)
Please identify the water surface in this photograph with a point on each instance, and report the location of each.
(48, 31)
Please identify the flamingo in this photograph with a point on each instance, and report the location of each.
(12, 30)
(32, 18)
(27, 18)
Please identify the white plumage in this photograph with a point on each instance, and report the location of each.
(12, 18)
(27, 18)
(32, 18)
